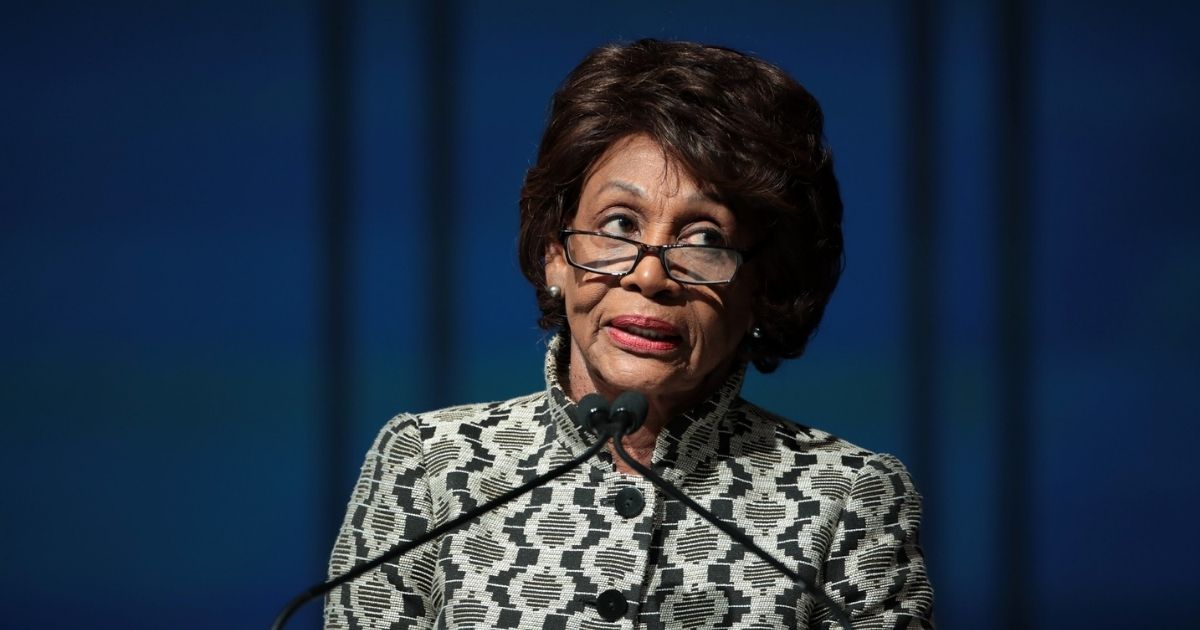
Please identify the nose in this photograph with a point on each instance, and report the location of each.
(650, 278)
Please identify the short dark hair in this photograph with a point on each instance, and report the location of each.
(749, 134)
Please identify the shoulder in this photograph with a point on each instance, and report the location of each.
(465, 431)
(829, 462)
(455, 418)
(792, 436)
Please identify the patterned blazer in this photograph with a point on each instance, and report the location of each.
(597, 549)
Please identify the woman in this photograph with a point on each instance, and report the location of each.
(682, 220)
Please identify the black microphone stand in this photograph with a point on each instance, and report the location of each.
(731, 531)
(399, 550)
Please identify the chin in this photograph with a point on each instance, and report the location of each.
(611, 369)
(650, 376)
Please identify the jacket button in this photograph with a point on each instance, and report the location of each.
(612, 605)
(630, 502)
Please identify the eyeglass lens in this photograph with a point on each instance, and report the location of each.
(604, 254)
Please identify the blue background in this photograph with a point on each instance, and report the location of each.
(163, 455)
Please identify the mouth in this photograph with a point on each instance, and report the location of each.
(644, 334)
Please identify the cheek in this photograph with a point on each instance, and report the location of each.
(583, 297)
(721, 332)
(726, 325)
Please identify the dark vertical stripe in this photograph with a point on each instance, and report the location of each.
(336, 170)
(442, 201)
(922, 223)
(1014, 237)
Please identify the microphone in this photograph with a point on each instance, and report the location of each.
(631, 407)
(592, 412)
(629, 411)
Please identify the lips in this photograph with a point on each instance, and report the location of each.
(637, 332)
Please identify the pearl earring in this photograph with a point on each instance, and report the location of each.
(756, 333)
(555, 291)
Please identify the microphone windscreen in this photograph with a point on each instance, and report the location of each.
(592, 412)
(629, 410)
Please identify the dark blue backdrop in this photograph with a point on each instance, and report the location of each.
(166, 374)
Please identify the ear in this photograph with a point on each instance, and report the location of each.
(556, 265)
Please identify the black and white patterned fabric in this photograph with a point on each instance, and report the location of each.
(597, 549)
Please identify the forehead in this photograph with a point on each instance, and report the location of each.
(638, 165)
(636, 173)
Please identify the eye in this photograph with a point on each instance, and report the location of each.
(619, 225)
(710, 237)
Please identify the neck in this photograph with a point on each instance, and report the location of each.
(640, 445)
(662, 409)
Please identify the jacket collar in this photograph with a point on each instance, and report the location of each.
(687, 442)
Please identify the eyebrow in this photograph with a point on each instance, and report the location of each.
(639, 192)
(629, 187)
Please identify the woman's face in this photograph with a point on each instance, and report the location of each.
(644, 331)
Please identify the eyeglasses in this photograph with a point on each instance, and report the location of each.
(618, 256)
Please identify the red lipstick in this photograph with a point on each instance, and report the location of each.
(646, 334)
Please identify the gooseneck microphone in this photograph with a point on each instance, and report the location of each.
(634, 404)
(628, 412)
(592, 412)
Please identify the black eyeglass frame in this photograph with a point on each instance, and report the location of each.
(743, 255)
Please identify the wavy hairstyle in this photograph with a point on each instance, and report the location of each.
(743, 129)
